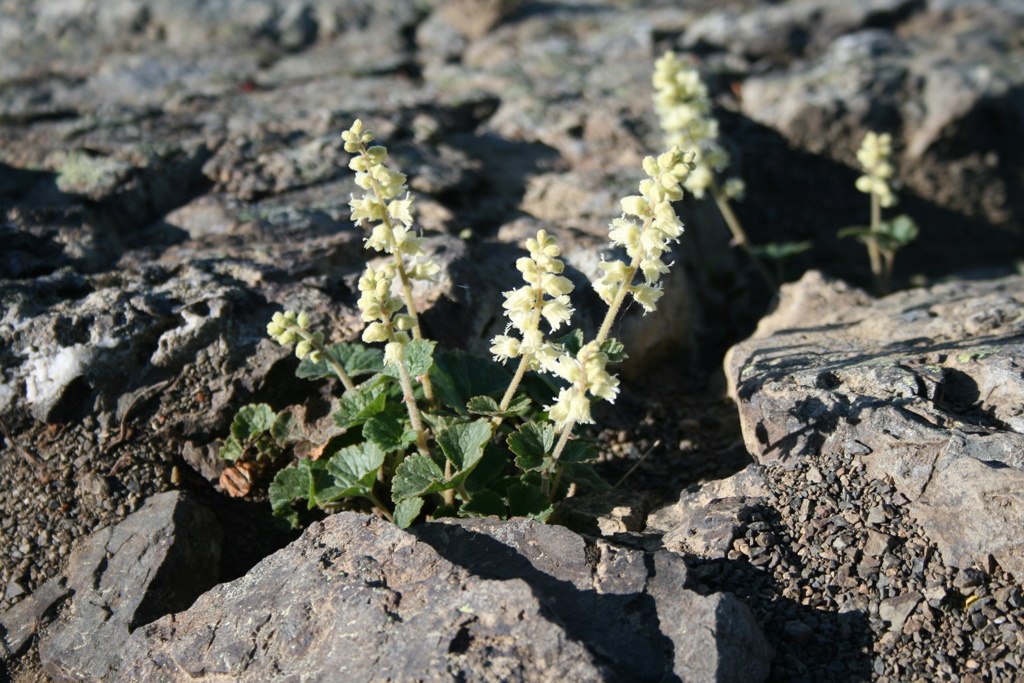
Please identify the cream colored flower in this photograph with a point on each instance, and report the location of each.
(874, 155)
(543, 297)
(386, 203)
(684, 109)
(587, 373)
(646, 244)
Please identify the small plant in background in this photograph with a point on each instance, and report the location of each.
(684, 109)
(780, 252)
(882, 238)
(445, 433)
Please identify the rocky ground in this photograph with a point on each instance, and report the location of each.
(171, 174)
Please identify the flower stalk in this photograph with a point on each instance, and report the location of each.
(290, 326)
(384, 204)
(873, 156)
(645, 230)
(389, 325)
(684, 108)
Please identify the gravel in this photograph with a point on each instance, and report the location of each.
(848, 588)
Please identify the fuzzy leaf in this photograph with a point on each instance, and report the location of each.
(357, 360)
(251, 421)
(419, 357)
(490, 467)
(289, 484)
(322, 487)
(527, 500)
(484, 504)
(614, 349)
(416, 476)
(354, 469)
(532, 443)
(458, 376)
(231, 450)
(283, 428)
(407, 511)
(584, 474)
(485, 405)
(438, 422)
(388, 433)
(572, 342)
(578, 450)
(463, 445)
(359, 405)
(442, 511)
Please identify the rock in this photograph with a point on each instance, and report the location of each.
(156, 561)
(464, 600)
(21, 622)
(606, 514)
(896, 610)
(889, 66)
(707, 519)
(925, 381)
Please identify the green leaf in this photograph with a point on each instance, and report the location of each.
(357, 360)
(862, 233)
(614, 349)
(780, 251)
(484, 504)
(541, 390)
(289, 484)
(572, 342)
(463, 445)
(527, 500)
(407, 511)
(491, 465)
(359, 405)
(442, 511)
(578, 450)
(897, 233)
(418, 359)
(532, 443)
(322, 487)
(438, 422)
(283, 428)
(582, 473)
(485, 405)
(251, 421)
(388, 433)
(416, 476)
(458, 377)
(354, 469)
(231, 449)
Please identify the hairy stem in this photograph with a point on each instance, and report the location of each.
(524, 362)
(410, 401)
(874, 250)
(330, 360)
(380, 506)
(620, 296)
(545, 484)
(739, 235)
(403, 277)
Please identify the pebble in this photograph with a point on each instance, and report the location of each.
(844, 556)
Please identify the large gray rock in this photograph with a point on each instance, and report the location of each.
(158, 560)
(356, 598)
(924, 386)
(937, 80)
